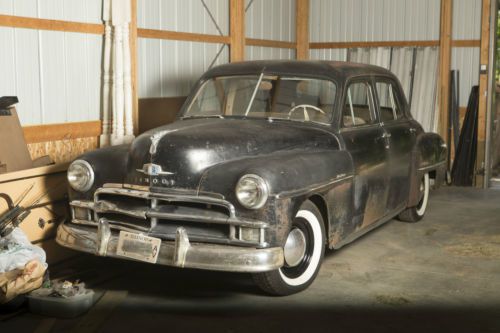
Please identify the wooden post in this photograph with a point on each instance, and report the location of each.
(483, 90)
(237, 27)
(133, 64)
(302, 29)
(444, 65)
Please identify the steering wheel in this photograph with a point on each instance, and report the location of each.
(304, 108)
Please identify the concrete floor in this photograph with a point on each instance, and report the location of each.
(439, 275)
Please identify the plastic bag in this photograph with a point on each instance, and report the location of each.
(21, 281)
(16, 251)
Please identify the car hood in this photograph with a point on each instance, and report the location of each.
(187, 148)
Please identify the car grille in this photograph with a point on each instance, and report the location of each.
(205, 218)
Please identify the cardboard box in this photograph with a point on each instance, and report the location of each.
(14, 152)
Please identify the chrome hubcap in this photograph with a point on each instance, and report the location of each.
(295, 247)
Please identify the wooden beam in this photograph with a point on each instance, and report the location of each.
(401, 43)
(133, 64)
(348, 45)
(181, 36)
(53, 25)
(270, 43)
(483, 89)
(237, 30)
(466, 43)
(55, 132)
(302, 29)
(444, 65)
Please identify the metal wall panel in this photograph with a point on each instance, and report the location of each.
(374, 20)
(170, 68)
(466, 19)
(466, 61)
(185, 16)
(274, 20)
(263, 53)
(328, 54)
(87, 11)
(56, 75)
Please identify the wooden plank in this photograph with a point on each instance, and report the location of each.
(444, 65)
(237, 30)
(302, 29)
(270, 43)
(55, 132)
(402, 43)
(466, 43)
(182, 36)
(483, 88)
(133, 65)
(348, 45)
(53, 25)
(35, 172)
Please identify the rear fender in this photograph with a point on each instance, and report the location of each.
(429, 155)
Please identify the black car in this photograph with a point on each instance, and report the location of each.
(267, 164)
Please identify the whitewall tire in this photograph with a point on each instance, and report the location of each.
(302, 259)
(416, 213)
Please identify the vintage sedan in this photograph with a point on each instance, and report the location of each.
(268, 163)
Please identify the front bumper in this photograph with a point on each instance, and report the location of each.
(179, 253)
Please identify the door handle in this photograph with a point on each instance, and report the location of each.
(386, 135)
(412, 130)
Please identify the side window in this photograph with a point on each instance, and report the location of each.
(390, 108)
(358, 105)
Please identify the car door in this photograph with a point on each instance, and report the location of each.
(400, 132)
(366, 142)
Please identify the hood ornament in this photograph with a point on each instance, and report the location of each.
(151, 169)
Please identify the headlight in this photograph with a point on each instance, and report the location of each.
(80, 175)
(252, 191)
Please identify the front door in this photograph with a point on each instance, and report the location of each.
(366, 141)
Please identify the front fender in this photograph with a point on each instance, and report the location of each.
(288, 174)
(292, 177)
(109, 165)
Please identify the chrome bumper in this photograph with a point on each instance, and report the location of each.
(179, 253)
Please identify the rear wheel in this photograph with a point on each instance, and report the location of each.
(416, 213)
(303, 251)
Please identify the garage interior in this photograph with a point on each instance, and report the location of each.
(439, 275)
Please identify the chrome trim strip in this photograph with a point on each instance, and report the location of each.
(196, 255)
(432, 166)
(312, 188)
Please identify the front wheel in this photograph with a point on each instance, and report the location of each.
(303, 252)
(416, 213)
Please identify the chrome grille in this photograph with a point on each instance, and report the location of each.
(205, 218)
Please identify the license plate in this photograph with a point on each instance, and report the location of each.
(139, 247)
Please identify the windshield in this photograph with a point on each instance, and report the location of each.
(265, 96)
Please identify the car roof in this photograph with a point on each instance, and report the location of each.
(337, 70)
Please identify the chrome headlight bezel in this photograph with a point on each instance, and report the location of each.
(78, 169)
(252, 191)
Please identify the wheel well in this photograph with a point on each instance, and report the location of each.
(321, 204)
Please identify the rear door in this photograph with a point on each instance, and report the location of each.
(401, 139)
(365, 140)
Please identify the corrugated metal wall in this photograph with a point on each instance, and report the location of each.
(374, 20)
(273, 20)
(397, 20)
(466, 25)
(56, 75)
(169, 68)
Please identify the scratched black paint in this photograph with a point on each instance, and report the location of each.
(299, 160)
